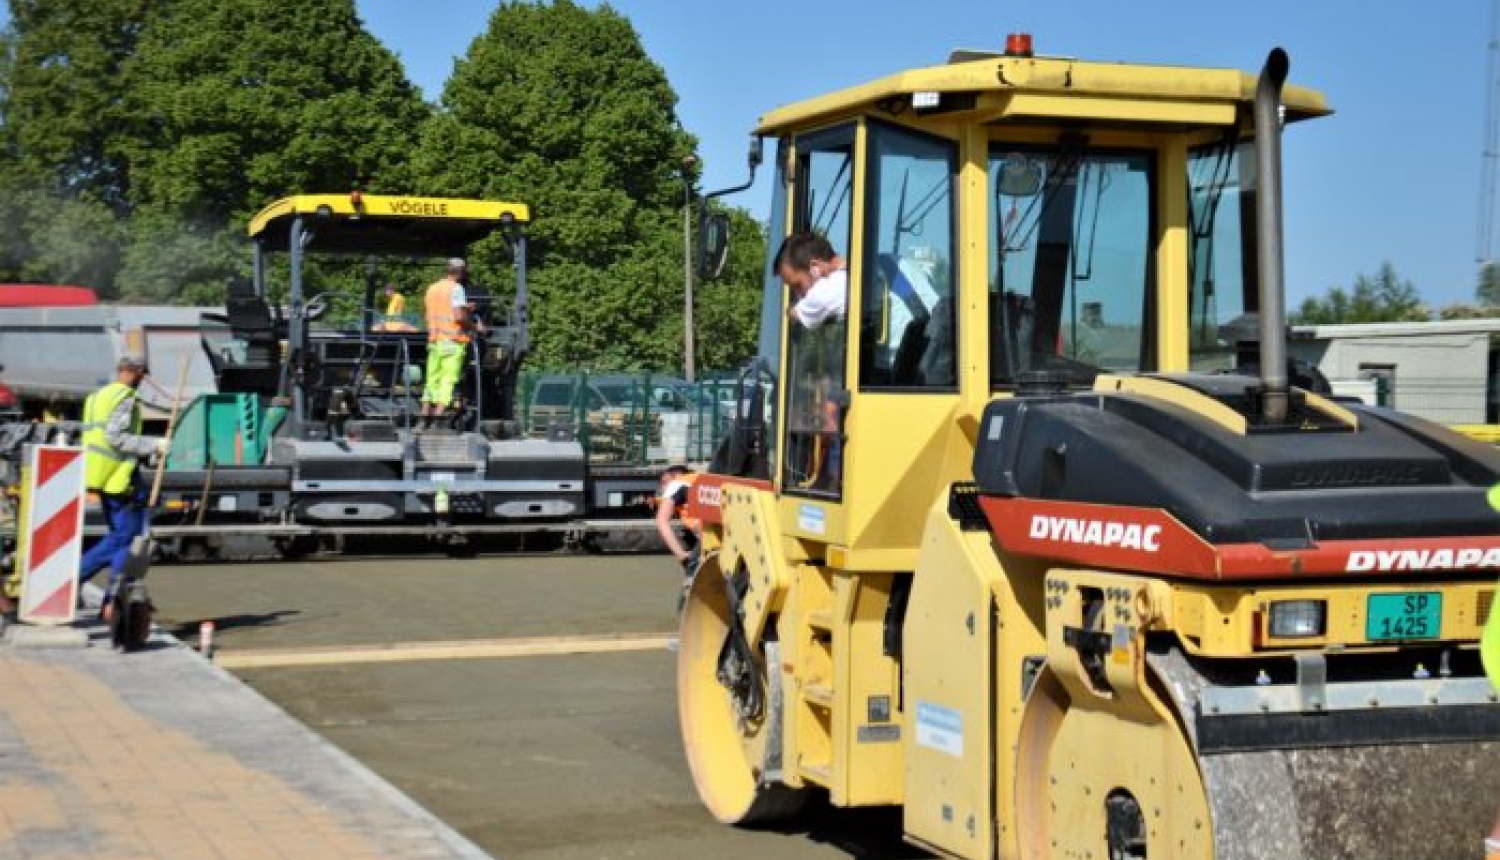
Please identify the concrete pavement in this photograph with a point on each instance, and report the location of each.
(160, 755)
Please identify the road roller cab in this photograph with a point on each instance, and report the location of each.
(1039, 541)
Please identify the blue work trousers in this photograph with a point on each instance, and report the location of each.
(126, 515)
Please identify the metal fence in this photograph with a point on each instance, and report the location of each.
(628, 419)
(1444, 400)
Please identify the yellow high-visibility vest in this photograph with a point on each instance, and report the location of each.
(105, 469)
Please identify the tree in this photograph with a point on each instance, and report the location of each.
(728, 308)
(139, 136)
(249, 102)
(64, 176)
(65, 88)
(253, 100)
(1383, 298)
(1487, 292)
(560, 107)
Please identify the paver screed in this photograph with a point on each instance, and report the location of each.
(159, 755)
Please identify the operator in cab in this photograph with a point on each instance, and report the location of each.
(817, 276)
(113, 444)
(449, 323)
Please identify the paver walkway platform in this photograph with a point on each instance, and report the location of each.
(160, 755)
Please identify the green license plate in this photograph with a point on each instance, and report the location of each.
(1404, 615)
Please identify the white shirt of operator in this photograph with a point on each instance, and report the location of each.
(824, 300)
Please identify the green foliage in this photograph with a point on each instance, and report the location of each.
(1487, 292)
(65, 96)
(138, 137)
(64, 181)
(727, 310)
(560, 107)
(168, 261)
(254, 100)
(1383, 298)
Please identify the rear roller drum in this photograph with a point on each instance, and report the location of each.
(729, 712)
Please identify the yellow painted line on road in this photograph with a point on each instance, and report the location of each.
(463, 649)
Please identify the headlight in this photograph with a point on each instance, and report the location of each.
(1297, 619)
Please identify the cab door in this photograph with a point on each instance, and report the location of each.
(825, 176)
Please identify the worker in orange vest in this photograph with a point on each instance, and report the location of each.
(448, 327)
(675, 525)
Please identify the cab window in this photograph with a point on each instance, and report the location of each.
(816, 380)
(1070, 262)
(907, 318)
(1221, 203)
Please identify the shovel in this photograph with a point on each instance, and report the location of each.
(138, 560)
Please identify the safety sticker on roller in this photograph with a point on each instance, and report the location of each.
(53, 533)
(940, 728)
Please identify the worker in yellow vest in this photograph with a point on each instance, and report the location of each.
(113, 443)
(448, 326)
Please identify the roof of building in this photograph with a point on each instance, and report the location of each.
(1395, 329)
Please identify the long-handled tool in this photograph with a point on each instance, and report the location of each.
(208, 486)
(130, 616)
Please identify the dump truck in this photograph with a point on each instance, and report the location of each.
(1037, 543)
(58, 345)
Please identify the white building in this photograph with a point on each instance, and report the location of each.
(1444, 370)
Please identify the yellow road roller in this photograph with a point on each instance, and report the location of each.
(1040, 535)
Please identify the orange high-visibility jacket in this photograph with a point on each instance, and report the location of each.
(442, 324)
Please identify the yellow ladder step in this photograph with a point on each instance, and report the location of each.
(822, 619)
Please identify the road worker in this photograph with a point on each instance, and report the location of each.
(678, 531)
(448, 326)
(113, 445)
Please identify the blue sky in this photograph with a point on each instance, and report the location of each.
(1393, 175)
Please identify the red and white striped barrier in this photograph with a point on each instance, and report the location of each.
(53, 534)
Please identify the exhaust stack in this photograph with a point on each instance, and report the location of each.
(1273, 376)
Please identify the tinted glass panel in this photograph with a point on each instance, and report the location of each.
(816, 384)
(906, 327)
(1221, 197)
(1070, 262)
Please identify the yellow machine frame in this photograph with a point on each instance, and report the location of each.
(983, 770)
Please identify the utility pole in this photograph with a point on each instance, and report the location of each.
(1491, 147)
(688, 164)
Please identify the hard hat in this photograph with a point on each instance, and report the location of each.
(457, 263)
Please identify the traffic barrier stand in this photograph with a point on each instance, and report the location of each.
(51, 534)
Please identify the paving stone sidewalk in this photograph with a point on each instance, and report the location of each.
(160, 755)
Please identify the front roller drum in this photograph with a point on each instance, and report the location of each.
(1092, 784)
(729, 708)
(1420, 783)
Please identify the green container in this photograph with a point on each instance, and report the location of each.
(229, 429)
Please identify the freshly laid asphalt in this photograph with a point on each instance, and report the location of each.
(564, 748)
